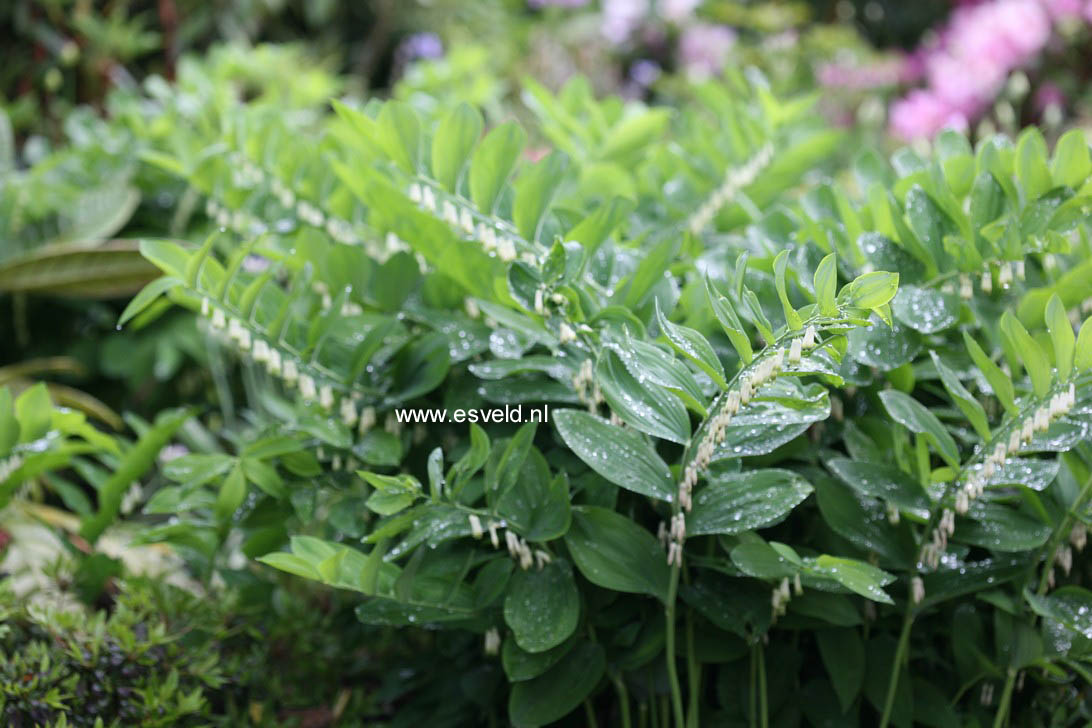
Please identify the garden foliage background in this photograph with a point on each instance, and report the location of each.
(804, 285)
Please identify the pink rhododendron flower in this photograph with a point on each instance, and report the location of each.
(982, 43)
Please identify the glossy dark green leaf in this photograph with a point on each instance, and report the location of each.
(455, 139)
(915, 417)
(557, 692)
(612, 551)
(693, 346)
(643, 405)
(492, 163)
(621, 456)
(737, 502)
(843, 655)
(543, 606)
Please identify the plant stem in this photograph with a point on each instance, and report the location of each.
(763, 706)
(669, 647)
(623, 699)
(590, 713)
(693, 670)
(1006, 698)
(1062, 532)
(896, 667)
(753, 712)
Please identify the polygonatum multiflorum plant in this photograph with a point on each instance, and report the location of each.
(812, 443)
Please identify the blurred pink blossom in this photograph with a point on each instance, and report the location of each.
(982, 43)
(621, 18)
(703, 49)
(922, 114)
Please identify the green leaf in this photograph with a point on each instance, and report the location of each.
(963, 399)
(265, 476)
(999, 382)
(825, 282)
(502, 472)
(1071, 165)
(879, 480)
(492, 163)
(643, 359)
(1000, 527)
(924, 309)
(615, 553)
(1031, 163)
(843, 655)
(147, 294)
(1030, 353)
(535, 190)
(387, 504)
(543, 606)
(792, 318)
(736, 502)
(231, 495)
(519, 664)
(34, 412)
(1083, 358)
(621, 456)
(9, 425)
(915, 417)
(643, 405)
(400, 134)
(1070, 606)
(874, 289)
(1061, 335)
(693, 346)
(537, 506)
(557, 692)
(729, 321)
(857, 576)
(455, 138)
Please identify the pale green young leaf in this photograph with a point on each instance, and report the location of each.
(825, 282)
(455, 138)
(1061, 335)
(1029, 351)
(792, 318)
(1071, 164)
(535, 190)
(998, 380)
(1031, 163)
(693, 346)
(400, 134)
(492, 163)
(874, 289)
(729, 321)
(1084, 347)
(914, 416)
(963, 399)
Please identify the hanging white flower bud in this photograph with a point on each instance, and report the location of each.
(476, 529)
(566, 333)
(291, 372)
(797, 587)
(966, 290)
(492, 641)
(809, 337)
(219, 320)
(428, 199)
(493, 534)
(987, 282)
(917, 590)
(795, 351)
(326, 397)
(506, 249)
(307, 386)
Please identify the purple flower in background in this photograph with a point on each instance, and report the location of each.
(645, 72)
(621, 18)
(704, 48)
(420, 45)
